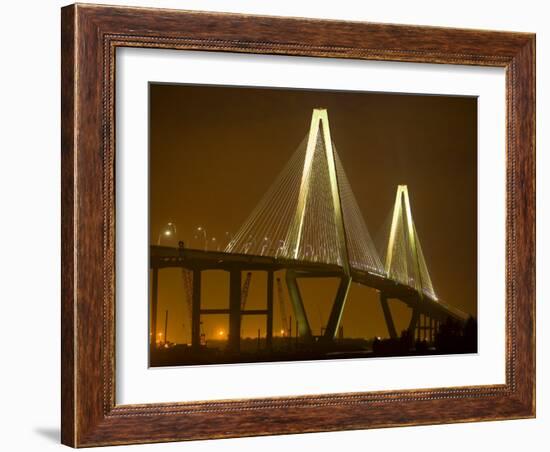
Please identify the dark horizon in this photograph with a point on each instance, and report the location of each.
(214, 151)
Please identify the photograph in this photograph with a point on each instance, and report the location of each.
(294, 224)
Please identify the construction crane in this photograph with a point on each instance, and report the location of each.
(187, 278)
(244, 294)
(244, 290)
(282, 308)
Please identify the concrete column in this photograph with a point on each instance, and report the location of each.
(413, 324)
(387, 316)
(234, 339)
(269, 317)
(196, 310)
(154, 306)
(424, 326)
(297, 304)
(337, 308)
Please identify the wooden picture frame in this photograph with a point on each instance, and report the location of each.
(90, 36)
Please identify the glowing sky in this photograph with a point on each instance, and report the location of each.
(214, 151)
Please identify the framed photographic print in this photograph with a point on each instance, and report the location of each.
(282, 225)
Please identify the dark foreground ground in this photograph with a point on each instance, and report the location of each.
(451, 339)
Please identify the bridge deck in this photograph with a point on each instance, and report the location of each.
(166, 257)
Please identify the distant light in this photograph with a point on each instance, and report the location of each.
(199, 228)
(167, 232)
(283, 332)
(221, 333)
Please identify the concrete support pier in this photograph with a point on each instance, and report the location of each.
(337, 308)
(387, 316)
(154, 307)
(304, 329)
(234, 339)
(196, 310)
(269, 316)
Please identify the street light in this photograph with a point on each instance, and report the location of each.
(201, 229)
(248, 245)
(167, 233)
(265, 245)
(214, 241)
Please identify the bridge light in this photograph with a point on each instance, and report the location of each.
(203, 230)
(167, 233)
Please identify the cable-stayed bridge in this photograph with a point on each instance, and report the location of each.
(310, 225)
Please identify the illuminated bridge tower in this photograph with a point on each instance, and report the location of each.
(319, 171)
(310, 215)
(405, 263)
